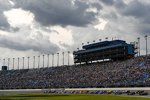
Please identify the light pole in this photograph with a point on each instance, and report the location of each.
(138, 45)
(43, 61)
(68, 57)
(18, 63)
(4, 62)
(52, 60)
(63, 58)
(33, 62)
(23, 62)
(57, 59)
(8, 62)
(146, 43)
(28, 62)
(47, 60)
(38, 61)
(13, 62)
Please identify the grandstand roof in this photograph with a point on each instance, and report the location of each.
(98, 49)
(99, 44)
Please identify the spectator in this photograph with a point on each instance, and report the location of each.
(132, 72)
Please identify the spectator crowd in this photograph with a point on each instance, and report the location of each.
(134, 72)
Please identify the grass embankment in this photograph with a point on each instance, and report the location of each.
(68, 97)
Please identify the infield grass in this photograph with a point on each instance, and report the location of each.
(68, 97)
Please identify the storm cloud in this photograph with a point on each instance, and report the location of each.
(4, 6)
(40, 43)
(108, 2)
(139, 11)
(126, 18)
(62, 12)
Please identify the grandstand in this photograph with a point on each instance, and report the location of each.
(112, 50)
(130, 71)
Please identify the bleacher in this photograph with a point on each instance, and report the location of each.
(133, 72)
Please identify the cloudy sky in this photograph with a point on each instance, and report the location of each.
(34, 27)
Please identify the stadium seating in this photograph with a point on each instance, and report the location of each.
(130, 73)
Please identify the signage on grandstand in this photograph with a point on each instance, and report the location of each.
(4, 68)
